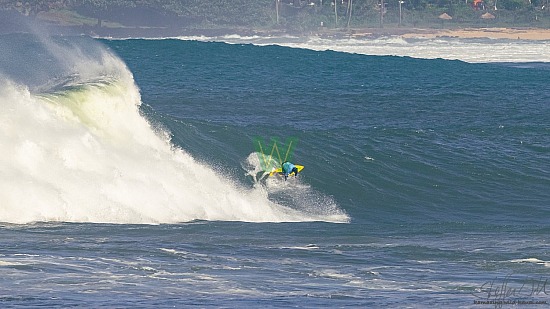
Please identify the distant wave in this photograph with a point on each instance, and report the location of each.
(468, 50)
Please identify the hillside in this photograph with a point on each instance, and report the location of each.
(170, 17)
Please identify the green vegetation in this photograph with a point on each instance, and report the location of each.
(293, 15)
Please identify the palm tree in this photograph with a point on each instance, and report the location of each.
(335, 13)
(350, 8)
(381, 13)
(277, 10)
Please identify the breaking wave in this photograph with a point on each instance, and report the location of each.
(78, 149)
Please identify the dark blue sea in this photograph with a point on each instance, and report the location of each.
(133, 172)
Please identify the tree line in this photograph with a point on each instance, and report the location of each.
(292, 14)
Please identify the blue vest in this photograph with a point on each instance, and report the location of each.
(287, 168)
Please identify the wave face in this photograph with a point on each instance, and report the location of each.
(390, 139)
(76, 147)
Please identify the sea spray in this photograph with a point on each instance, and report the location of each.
(293, 193)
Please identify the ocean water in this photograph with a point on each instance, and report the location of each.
(130, 172)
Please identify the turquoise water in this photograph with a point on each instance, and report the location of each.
(130, 175)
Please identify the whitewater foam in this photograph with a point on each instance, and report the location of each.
(468, 50)
(532, 260)
(293, 193)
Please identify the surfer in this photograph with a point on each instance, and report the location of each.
(289, 168)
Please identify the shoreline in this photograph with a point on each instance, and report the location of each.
(513, 33)
(532, 34)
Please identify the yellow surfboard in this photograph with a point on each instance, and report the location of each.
(279, 170)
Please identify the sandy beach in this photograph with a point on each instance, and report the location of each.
(492, 33)
(535, 34)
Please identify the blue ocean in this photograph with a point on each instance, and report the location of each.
(134, 172)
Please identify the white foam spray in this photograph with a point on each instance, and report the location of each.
(84, 153)
(468, 50)
(294, 192)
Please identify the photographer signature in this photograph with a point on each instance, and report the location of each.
(508, 288)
